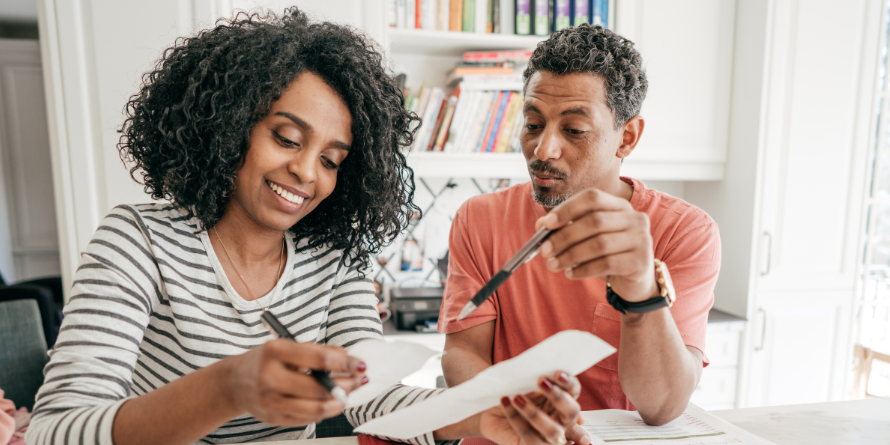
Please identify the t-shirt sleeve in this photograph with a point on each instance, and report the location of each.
(91, 366)
(694, 262)
(465, 278)
(352, 315)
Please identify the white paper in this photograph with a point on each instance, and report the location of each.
(569, 351)
(696, 426)
(387, 363)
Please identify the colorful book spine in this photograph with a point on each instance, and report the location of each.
(489, 120)
(490, 20)
(455, 15)
(581, 12)
(541, 18)
(442, 135)
(434, 103)
(418, 14)
(478, 120)
(498, 122)
(469, 16)
(562, 17)
(503, 141)
(437, 118)
(523, 17)
(600, 13)
(497, 56)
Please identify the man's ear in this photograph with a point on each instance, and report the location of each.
(631, 132)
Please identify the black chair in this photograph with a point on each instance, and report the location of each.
(23, 352)
(48, 293)
(334, 427)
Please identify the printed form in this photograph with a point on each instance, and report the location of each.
(695, 427)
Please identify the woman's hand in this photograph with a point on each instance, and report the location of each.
(538, 418)
(271, 383)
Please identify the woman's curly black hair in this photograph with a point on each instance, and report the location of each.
(187, 130)
(598, 51)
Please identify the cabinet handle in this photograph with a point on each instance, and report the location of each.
(769, 249)
(759, 346)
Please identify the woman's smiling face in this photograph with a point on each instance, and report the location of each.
(294, 156)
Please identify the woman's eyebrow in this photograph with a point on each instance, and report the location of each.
(305, 125)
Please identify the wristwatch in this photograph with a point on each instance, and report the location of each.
(665, 297)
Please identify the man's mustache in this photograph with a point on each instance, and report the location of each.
(539, 166)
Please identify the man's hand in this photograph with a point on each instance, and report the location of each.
(601, 235)
(538, 418)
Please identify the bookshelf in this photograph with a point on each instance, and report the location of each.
(452, 43)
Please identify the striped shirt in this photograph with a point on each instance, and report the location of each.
(151, 303)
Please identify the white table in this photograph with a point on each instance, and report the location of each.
(860, 422)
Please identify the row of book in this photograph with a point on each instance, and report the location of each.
(524, 17)
(472, 120)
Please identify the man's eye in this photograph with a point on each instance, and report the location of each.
(532, 127)
(571, 131)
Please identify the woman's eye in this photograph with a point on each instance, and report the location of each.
(330, 164)
(284, 141)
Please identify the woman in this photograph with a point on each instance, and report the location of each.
(276, 141)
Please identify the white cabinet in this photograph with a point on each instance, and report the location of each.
(789, 209)
(717, 387)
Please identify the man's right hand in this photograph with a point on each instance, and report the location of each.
(270, 382)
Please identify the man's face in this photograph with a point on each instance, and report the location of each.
(569, 140)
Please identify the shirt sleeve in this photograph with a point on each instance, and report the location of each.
(90, 370)
(394, 399)
(694, 263)
(465, 277)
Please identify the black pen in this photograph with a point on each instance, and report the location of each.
(322, 377)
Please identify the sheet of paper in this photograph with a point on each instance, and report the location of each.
(569, 351)
(387, 364)
(695, 427)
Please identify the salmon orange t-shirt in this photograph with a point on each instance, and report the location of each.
(535, 303)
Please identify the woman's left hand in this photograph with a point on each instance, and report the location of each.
(551, 416)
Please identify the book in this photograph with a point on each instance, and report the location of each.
(580, 12)
(497, 56)
(422, 97)
(523, 17)
(481, 16)
(477, 119)
(465, 70)
(489, 16)
(498, 121)
(455, 15)
(489, 118)
(469, 16)
(459, 120)
(561, 15)
(541, 17)
(600, 13)
(400, 14)
(436, 119)
(503, 140)
(410, 14)
(428, 13)
(442, 135)
(433, 104)
(506, 9)
(442, 16)
(496, 16)
(418, 14)
(390, 13)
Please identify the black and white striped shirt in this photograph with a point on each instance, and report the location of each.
(151, 303)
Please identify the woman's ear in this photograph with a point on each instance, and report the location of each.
(631, 132)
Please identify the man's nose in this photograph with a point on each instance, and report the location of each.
(548, 146)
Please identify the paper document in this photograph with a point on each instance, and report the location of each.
(387, 364)
(696, 426)
(569, 351)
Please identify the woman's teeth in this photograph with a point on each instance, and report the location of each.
(290, 197)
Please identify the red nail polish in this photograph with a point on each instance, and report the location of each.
(505, 401)
(361, 367)
(364, 380)
(546, 385)
(563, 377)
(519, 401)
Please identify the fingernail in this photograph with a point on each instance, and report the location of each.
(519, 401)
(546, 248)
(361, 367)
(569, 273)
(553, 263)
(563, 377)
(505, 401)
(546, 385)
(365, 380)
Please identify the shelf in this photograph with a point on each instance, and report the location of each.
(453, 43)
(513, 165)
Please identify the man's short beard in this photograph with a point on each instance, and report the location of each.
(549, 201)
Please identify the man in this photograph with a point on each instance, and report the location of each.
(583, 89)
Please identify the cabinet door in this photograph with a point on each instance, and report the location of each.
(687, 50)
(800, 344)
(819, 91)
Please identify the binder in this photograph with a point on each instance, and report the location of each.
(580, 12)
(469, 16)
(523, 17)
(541, 17)
(562, 17)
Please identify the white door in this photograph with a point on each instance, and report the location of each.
(820, 88)
(800, 348)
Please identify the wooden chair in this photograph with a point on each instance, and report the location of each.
(862, 371)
